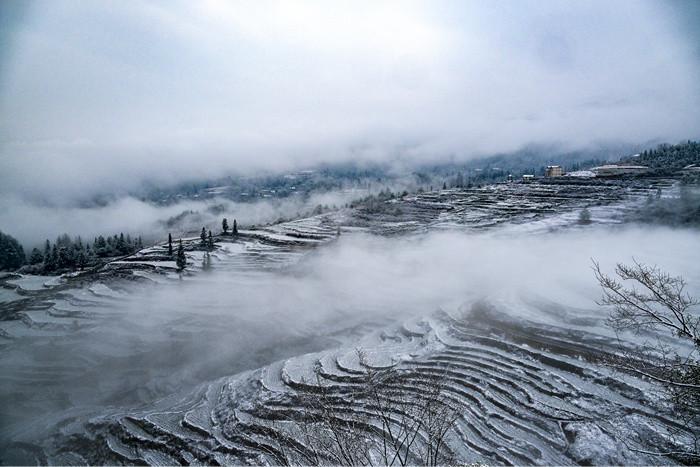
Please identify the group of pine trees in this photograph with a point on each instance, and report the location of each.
(669, 157)
(65, 253)
(11, 253)
(225, 227)
(206, 240)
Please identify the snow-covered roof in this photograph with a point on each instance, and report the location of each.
(581, 174)
(615, 166)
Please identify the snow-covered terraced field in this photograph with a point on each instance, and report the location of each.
(512, 203)
(137, 363)
(525, 394)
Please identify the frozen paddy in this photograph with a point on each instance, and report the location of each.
(8, 295)
(27, 282)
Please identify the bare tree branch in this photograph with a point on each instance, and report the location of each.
(658, 301)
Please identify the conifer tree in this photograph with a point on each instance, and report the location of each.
(181, 260)
(211, 241)
(235, 227)
(91, 257)
(203, 236)
(81, 260)
(51, 261)
(224, 225)
(63, 258)
(36, 257)
(100, 246)
(170, 244)
(122, 247)
(11, 252)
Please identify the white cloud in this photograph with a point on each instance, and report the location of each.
(119, 92)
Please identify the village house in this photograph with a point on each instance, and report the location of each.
(554, 171)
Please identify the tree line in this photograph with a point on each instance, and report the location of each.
(669, 157)
(206, 241)
(65, 253)
(11, 253)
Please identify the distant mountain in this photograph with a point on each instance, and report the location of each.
(532, 159)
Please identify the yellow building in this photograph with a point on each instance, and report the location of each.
(554, 171)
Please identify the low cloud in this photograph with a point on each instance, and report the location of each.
(160, 340)
(33, 223)
(97, 98)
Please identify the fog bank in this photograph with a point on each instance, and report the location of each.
(156, 340)
(101, 96)
(32, 223)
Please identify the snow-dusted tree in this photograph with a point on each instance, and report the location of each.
(210, 241)
(36, 257)
(51, 260)
(101, 247)
(91, 258)
(64, 259)
(81, 260)
(170, 244)
(181, 260)
(235, 227)
(224, 226)
(11, 252)
(203, 236)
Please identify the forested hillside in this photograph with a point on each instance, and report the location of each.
(669, 157)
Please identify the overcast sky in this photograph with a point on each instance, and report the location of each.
(100, 94)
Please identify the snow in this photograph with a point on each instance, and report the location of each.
(101, 289)
(157, 264)
(593, 446)
(8, 295)
(31, 282)
(55, 280)
(581, 174)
